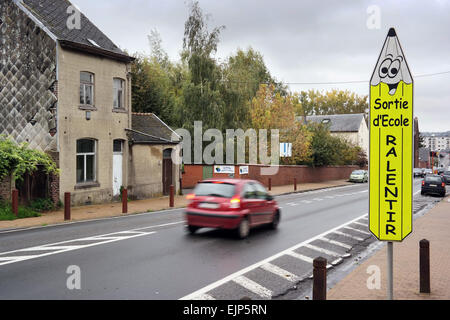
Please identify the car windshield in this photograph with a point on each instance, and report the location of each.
(215, 189)
(433, 179)
(358, 172)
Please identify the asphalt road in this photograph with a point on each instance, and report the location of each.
(150, 256)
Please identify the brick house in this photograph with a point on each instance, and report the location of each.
(65, 88)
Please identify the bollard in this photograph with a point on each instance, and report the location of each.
(295, 184)
(15, 202)
(319, 278)
(181, 188)
(270, 184)
(66, 205)
(171, 197)
(124, 200)
(424, 256)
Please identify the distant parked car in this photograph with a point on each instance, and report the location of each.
(433, 184)
(359, 176)
(440, 171)
(427, 171)
(446, 176)
(417, 172)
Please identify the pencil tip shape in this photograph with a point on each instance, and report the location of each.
(392, 32)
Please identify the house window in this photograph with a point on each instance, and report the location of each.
(118, 101)
(86, 165)
(86, 89)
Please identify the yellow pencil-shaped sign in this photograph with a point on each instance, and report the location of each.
(391, 144)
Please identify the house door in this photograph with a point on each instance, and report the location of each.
(167, 171)
(117, 166)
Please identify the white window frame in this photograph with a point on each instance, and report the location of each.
(121, 102)
(84, 84)
(85, 154)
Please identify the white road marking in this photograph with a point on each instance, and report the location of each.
(304, 258)
(55, 248)
(280, 272)
(357, 230)
(230, 277)
(361, 224)
(325, 251)
(205, 297)
(349, 236)
(253, 287)
(346, 246)
(306, 201)
(318, 199)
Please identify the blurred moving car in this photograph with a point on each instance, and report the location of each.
(446, 176)
(359, 176)
(234, 204)
(433, 184)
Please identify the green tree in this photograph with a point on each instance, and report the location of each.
(18, 159)
(332, 102)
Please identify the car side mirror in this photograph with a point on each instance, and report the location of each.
(269, 197)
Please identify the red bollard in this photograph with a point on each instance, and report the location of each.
(319, 278)
(270, 184)
(66, 205)
(124, 200)
(15, 202)
(295, 184)
(171, 198)
(424, 266)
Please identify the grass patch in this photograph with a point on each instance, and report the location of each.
(23, 212)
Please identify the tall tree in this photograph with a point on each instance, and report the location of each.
(332, 102)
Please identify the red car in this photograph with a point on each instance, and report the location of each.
(231, 204)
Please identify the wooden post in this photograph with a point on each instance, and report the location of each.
(320, 279)
(124, 200)
(424, 256)
(270, 184)
(171, 197)
(66, 206)
(295, 184)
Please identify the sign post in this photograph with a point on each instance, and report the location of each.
(391, 148)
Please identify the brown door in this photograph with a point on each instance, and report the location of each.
(167, 171)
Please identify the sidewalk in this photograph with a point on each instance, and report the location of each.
(139, 206)
(433, 226)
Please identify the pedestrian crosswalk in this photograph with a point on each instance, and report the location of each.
(292, 266)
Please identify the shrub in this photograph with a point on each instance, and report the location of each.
(23, 212)
(42, 204)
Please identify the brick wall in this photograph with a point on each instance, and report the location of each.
(285, 175)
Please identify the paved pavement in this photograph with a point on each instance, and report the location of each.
(138, 206)
(433, 226)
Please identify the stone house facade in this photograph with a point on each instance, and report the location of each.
(66, 90)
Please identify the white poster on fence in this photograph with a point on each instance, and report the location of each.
(243, 169)
(224, 169)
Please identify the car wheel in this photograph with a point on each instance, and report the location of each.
(192, 229)
(422, 193)
(243, 229)
(275, 220)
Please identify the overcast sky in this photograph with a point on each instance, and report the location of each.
(304, 41)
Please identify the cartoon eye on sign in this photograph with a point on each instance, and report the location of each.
(391, 67)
